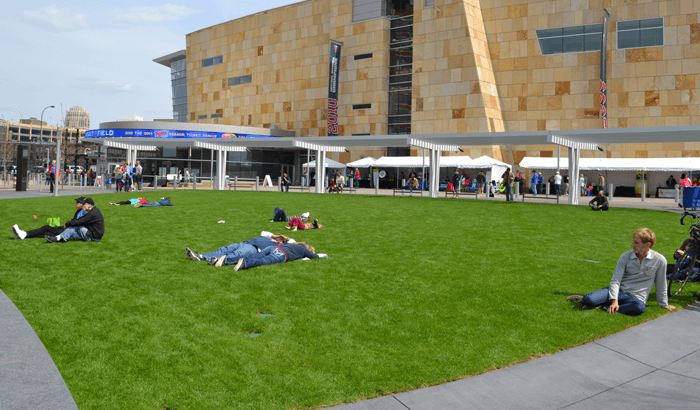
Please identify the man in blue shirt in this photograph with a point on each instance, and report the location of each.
(286, 252)
(533, 184)
(230, 254)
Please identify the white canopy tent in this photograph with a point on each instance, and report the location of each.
(618, 171)
(362, 163)
(494, 167)
(328, 162)
(616, 164)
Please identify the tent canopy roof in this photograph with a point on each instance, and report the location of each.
(362, 163)
(329, 164)
(616, 164)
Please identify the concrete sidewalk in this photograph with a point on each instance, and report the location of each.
(29, 378)
(655, 365)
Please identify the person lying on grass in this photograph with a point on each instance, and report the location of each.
(46, 229)
(132, 201)
(162, 202)
(636, 272)
(229, 255)
(282, 253)
(280, 216)
(296, 223)
(88, 225)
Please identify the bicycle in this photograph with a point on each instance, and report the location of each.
(683, 271)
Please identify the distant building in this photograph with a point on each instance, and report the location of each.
(77, 117)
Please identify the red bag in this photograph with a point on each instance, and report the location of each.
(450, 187)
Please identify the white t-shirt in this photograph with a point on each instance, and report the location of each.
(557, 179)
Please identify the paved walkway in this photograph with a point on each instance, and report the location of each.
(651, 366)
(655, 365)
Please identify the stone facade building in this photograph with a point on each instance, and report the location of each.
(454, 66)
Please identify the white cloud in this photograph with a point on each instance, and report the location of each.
(52, 18)
(146, 15)
(104, 86)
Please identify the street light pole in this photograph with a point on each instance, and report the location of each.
(41, 131)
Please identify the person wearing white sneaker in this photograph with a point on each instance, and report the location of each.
(229, 255)
(46, 229)
(280, 216)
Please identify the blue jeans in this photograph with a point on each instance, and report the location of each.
(509, 193)
(557, 189)
(279, 215)
(78, 232)
(127, 184)
(533, 188)
(164, 202)
(268, 256)
(629, 305)
(233, 252)
(683, 271)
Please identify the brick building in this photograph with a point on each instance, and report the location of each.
(444, 66)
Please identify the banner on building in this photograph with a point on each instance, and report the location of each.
(603, 75)
(333, 74)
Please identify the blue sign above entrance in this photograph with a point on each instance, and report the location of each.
(109, 133)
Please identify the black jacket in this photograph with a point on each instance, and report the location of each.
(93, 221)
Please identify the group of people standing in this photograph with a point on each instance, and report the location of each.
(126, 175)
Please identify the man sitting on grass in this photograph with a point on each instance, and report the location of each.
(271, 255)
(229, 255)
(599, 202)
(162, 202)
(636, 272)
(46, 229)
(280, 216)
(88, 225)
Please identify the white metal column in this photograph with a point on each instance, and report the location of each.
(320, 171)
(434, 173)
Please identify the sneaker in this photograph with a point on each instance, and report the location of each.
(19, 234)
(220, 262)
(575, 298)
(213, 260)
(51, 238)
(193, 255)
(240, 265)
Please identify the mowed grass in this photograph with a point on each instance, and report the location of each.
(416, 292)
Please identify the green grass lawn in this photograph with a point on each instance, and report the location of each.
(416, 292)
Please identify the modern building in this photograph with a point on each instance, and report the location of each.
(447, 66)
(177, 62)
(77, 117)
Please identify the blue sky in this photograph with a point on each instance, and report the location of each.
(99, 54)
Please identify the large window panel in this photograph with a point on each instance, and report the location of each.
(574, 39)
(640, 33)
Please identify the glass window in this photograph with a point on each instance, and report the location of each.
(243, 79)
(640, 33)
(217, 115)
(202, 117)
(576, 39)
(212, 61)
